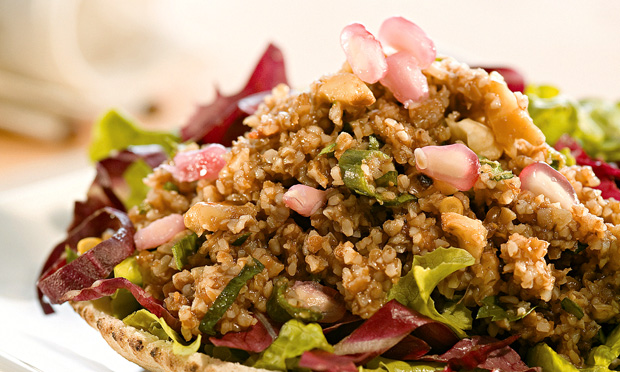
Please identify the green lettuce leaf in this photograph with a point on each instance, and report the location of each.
(70, 254)
(294, 339)
(123, 302)
(134, 176)
(130, 270)
(545, 357)
(147, 321)
(389, 365)
(603, 355)
(414, 289)
(115, 131)
(595, 123)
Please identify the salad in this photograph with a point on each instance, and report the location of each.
(405, 213)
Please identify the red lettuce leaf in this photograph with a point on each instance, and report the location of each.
(107, 287)
(105, 188)
(513, 78)
(410, 348)
(320, 360)
(256, 339)
(57, 278)
(337, 331)
(384, 330)
(222, 120)
(607, 173)
(482, 352)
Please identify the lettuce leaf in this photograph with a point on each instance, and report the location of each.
(115, 131)
(134, 176)
(545, 357)
(123, 302)
(389, 365)
(129, 269)
(415, 288)
(603, 355)
(294, 339)
(146, 321)
(595, 123)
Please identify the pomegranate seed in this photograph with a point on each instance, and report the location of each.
(539, 178)
(455, 164)
(404, 35)
(364, 53)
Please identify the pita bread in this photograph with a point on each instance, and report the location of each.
(146, 350)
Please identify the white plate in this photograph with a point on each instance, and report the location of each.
(32, 220)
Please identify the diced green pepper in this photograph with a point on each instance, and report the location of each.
(280, 310)
(183, 249)
(572, 308)
(388, 179)
(353, 176)
(228, 296)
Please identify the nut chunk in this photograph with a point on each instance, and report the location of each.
(525, 258)
(204, 216)
(346, 88)
(471, 234)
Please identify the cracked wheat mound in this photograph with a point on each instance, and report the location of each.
(530, 254)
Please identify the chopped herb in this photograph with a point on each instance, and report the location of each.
(183, 249)
(144, 207)
(353, 176)
(497, 173)
(492, 309)
(70, 254)
(572, 308)
(228, 296)
(280, 310)
(240, 240)
(328, 150)
(373, 143)
(169, 186)
(558, 159)
(570, 159)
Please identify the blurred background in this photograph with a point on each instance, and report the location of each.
(65, 62)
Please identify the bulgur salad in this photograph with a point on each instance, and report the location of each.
(404, 213)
